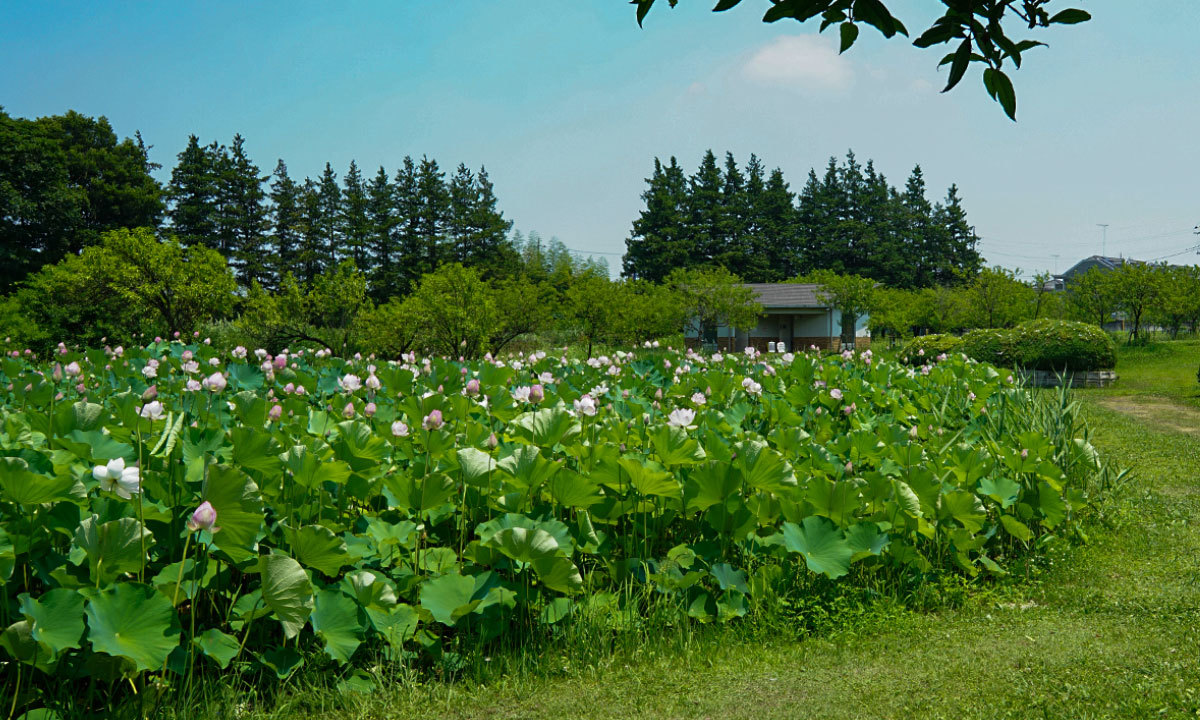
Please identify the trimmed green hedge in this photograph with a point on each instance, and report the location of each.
(989, 346)
(1062, 345)
(925, 348)
(1054, 345)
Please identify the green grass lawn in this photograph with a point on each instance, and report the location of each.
(1110, 628)
(1161, 369)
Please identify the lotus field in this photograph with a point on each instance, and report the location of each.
(170, 510)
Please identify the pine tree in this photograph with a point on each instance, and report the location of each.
(734, 250)
(193, 194)
(246, 215)
(408, 216)
(961, 256)
(920, 237)
(462, 204)
(433, 214)
(311, 255)
(487, 245)
(706, 211)
(329, 204)
(775, 219)
(287, 224)
(659, 241)
(381, 212)
(354, 223)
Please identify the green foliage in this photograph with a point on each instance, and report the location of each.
(924, 349)
(851, 221)
(326, 533)
(455, 311)
(851, 295)
(1061, 345)
(714, 296)
(132, 281)
(989, 346)
(64, 181)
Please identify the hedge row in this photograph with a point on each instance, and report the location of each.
(1054, 345)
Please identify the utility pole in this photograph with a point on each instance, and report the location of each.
(1104, 240)
(1055, 256)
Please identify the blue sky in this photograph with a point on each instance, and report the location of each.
(567, 102)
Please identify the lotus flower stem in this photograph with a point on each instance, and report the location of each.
(182, 562)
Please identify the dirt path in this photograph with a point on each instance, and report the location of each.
(1157, 412)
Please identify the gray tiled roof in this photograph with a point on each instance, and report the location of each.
(787, 295)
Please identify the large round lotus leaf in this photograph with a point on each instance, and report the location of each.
(317, 547)
(239, 509)
(57, 618)
(336, 621)
(525, 545)
(133, 621)
(219, 646)
(114, 547)
(28, 488)
(448, 597)
(559, 574)
(287, 591)
(824, 548)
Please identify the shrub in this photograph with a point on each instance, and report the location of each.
(1062, 345)
(989, 346)
(916, 351)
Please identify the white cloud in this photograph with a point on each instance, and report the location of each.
(800, 62)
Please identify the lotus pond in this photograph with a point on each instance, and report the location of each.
(170, 510)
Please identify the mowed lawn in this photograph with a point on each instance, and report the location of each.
(1110, 629)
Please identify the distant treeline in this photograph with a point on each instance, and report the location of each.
(851, 220)
(65, 180)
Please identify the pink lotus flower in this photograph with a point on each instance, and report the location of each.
(369, 410)
(472, 387)
(152, 411)
(399, 429)
(433, 421)
(536, 394)
(586, 405)
(275, 413)
(348, 411)
(215, 382)
(835, 394)
(203, 518)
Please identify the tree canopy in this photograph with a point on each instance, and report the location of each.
(976, 32)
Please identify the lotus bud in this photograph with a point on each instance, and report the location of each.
(58, 373)
(433, 421)
(369, 410)
(150, 393)
(472, 387)
(399, 429)
(492, 442)
(348, 411)
(203, 518)
(536, 394)
(275, 413)
(81, 388)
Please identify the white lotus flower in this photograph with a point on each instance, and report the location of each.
(681, 417)
(116, 478)
(152, 410)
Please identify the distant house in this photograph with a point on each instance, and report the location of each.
(1097, 262)
(792, 314)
